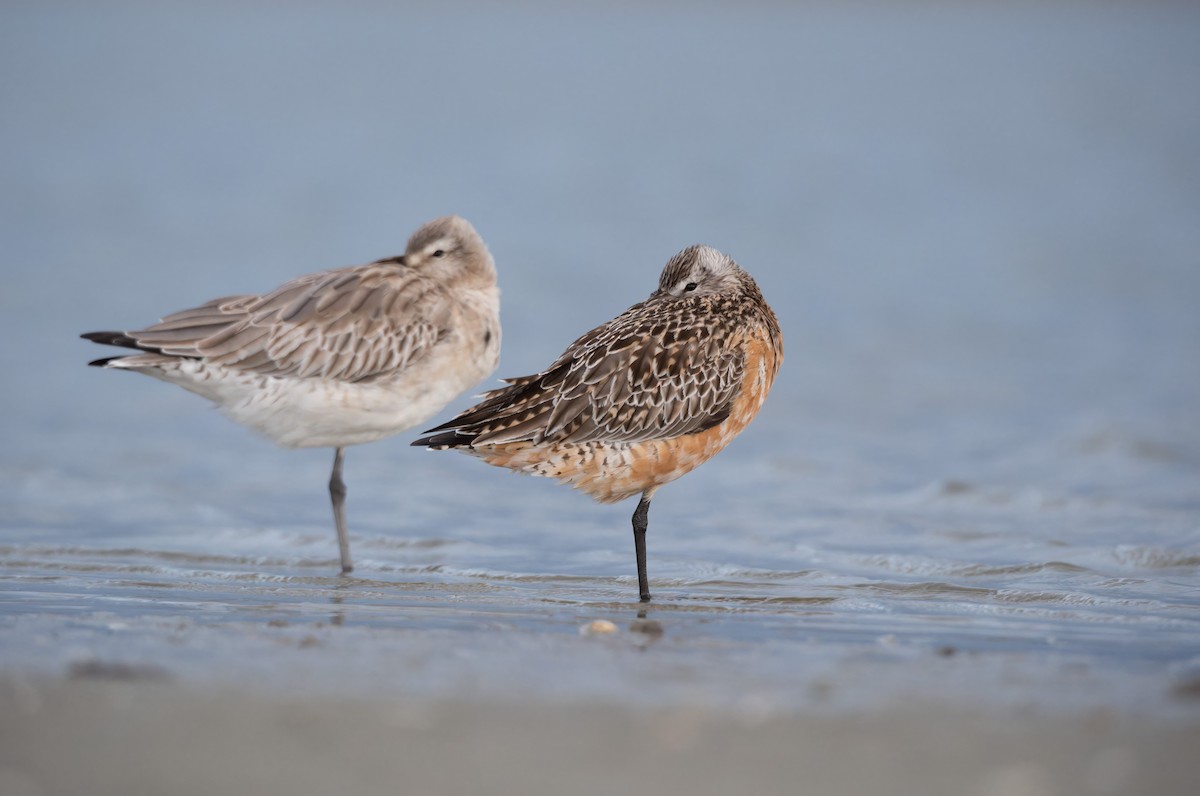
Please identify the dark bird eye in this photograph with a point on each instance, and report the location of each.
(439, 253)
(689, 287)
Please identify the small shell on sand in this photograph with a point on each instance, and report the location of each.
(597, 627)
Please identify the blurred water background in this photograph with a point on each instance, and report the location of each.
(978, 475)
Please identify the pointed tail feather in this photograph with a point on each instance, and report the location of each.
(103, 363)
(119, 339)
(126, 340)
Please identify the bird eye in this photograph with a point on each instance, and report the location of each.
(689, 287)
(439, 253)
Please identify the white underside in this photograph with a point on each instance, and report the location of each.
(316, 412)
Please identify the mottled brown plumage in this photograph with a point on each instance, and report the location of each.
(641, 400)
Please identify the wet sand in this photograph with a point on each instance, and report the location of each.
(105, 736)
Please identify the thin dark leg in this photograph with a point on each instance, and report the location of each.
(641, 517)
(337, 494)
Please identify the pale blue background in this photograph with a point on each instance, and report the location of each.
(978, 225)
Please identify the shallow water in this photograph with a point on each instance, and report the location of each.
(977, 478)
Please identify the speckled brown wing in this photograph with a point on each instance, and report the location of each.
(351, 324)
(655, 372)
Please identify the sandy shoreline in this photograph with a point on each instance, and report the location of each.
(62, 736)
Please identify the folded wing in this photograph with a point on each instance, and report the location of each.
(629, 380)
(352, 324)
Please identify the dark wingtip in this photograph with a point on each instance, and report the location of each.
(449, 439)
(111, 338)
(119, 339)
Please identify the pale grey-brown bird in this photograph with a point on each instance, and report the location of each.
(339, 357)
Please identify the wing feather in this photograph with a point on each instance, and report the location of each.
(350, 324)
(644, 375)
